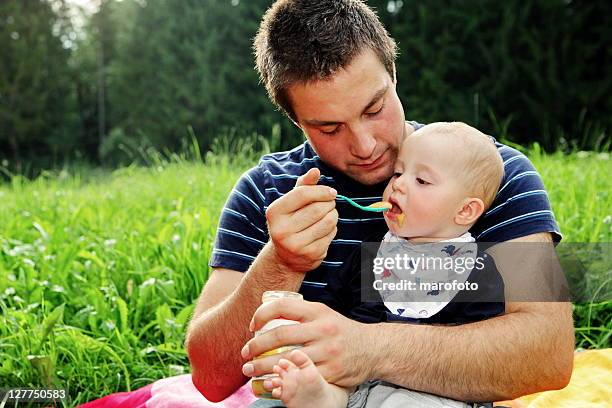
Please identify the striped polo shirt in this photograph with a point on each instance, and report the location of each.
(521, 208)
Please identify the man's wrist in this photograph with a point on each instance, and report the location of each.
(273, 273)
(373, 352)
(380, 351)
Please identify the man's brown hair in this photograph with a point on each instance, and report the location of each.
(309, 40)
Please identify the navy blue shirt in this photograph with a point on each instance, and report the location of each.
(521, 208)
(345, 291)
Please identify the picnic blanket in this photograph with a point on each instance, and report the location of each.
(172, 392)
(590, 387)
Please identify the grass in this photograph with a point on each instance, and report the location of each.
(99, 270)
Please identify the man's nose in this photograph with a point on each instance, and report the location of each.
(363, 143)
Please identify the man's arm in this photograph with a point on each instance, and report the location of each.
(220, 326)
(528, 349)
(524, 351)
(301, 226)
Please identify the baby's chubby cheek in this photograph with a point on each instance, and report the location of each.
(400, 227)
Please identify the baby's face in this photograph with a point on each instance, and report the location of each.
(426, 188)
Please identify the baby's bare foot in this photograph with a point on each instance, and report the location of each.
(301, 385)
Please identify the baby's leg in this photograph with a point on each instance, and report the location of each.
(301, 385)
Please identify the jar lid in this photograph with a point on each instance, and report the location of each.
(279, 294)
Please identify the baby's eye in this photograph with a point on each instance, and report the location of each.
(397, 174)
(421, 181)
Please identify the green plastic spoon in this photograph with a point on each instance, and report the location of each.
(380, 206)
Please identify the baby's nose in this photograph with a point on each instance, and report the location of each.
(398, 184)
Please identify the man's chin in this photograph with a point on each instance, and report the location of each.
(371, 178)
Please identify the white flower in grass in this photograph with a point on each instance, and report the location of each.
(176, 238)
(9, 291)
(607, 219)
(110, 242)
(29, 262)
(110, 325)
(603, 156)
(148, 350)
(20, 249)
(31, 307)
(58, 289)
(582, 154)
(148, 282)
(176, 369)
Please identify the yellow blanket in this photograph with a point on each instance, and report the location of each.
(590, 385)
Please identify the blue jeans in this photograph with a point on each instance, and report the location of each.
(377, 393)
(267, 403)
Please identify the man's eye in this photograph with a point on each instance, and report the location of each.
(421, 181)
(377, 112)
(331, 132)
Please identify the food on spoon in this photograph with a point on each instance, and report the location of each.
(381, 204)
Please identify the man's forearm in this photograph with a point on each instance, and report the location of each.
(500, 358)
(215, 338)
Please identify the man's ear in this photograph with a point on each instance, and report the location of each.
(470, 210)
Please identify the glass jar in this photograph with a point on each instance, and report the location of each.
(257, 382)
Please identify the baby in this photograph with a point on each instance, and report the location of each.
(446, 176)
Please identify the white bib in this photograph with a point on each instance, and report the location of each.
(427, 266)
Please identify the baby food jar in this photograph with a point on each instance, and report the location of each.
(257, 382)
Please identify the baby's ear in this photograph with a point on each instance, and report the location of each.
(471, 209)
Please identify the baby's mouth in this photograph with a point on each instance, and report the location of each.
(395, 213)
(395, 209)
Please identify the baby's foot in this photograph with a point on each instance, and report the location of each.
(301, 385)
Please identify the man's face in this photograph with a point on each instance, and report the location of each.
(353, 120)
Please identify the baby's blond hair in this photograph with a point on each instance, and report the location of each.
(483, 170)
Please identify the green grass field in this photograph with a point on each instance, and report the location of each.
(99, 269)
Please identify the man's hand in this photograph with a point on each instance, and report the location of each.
(303, 223)
(337, 345)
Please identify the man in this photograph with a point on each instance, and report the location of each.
(329, 65)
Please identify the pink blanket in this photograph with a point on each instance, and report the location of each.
(175, 392)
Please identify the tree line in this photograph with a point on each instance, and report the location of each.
(154, 73)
